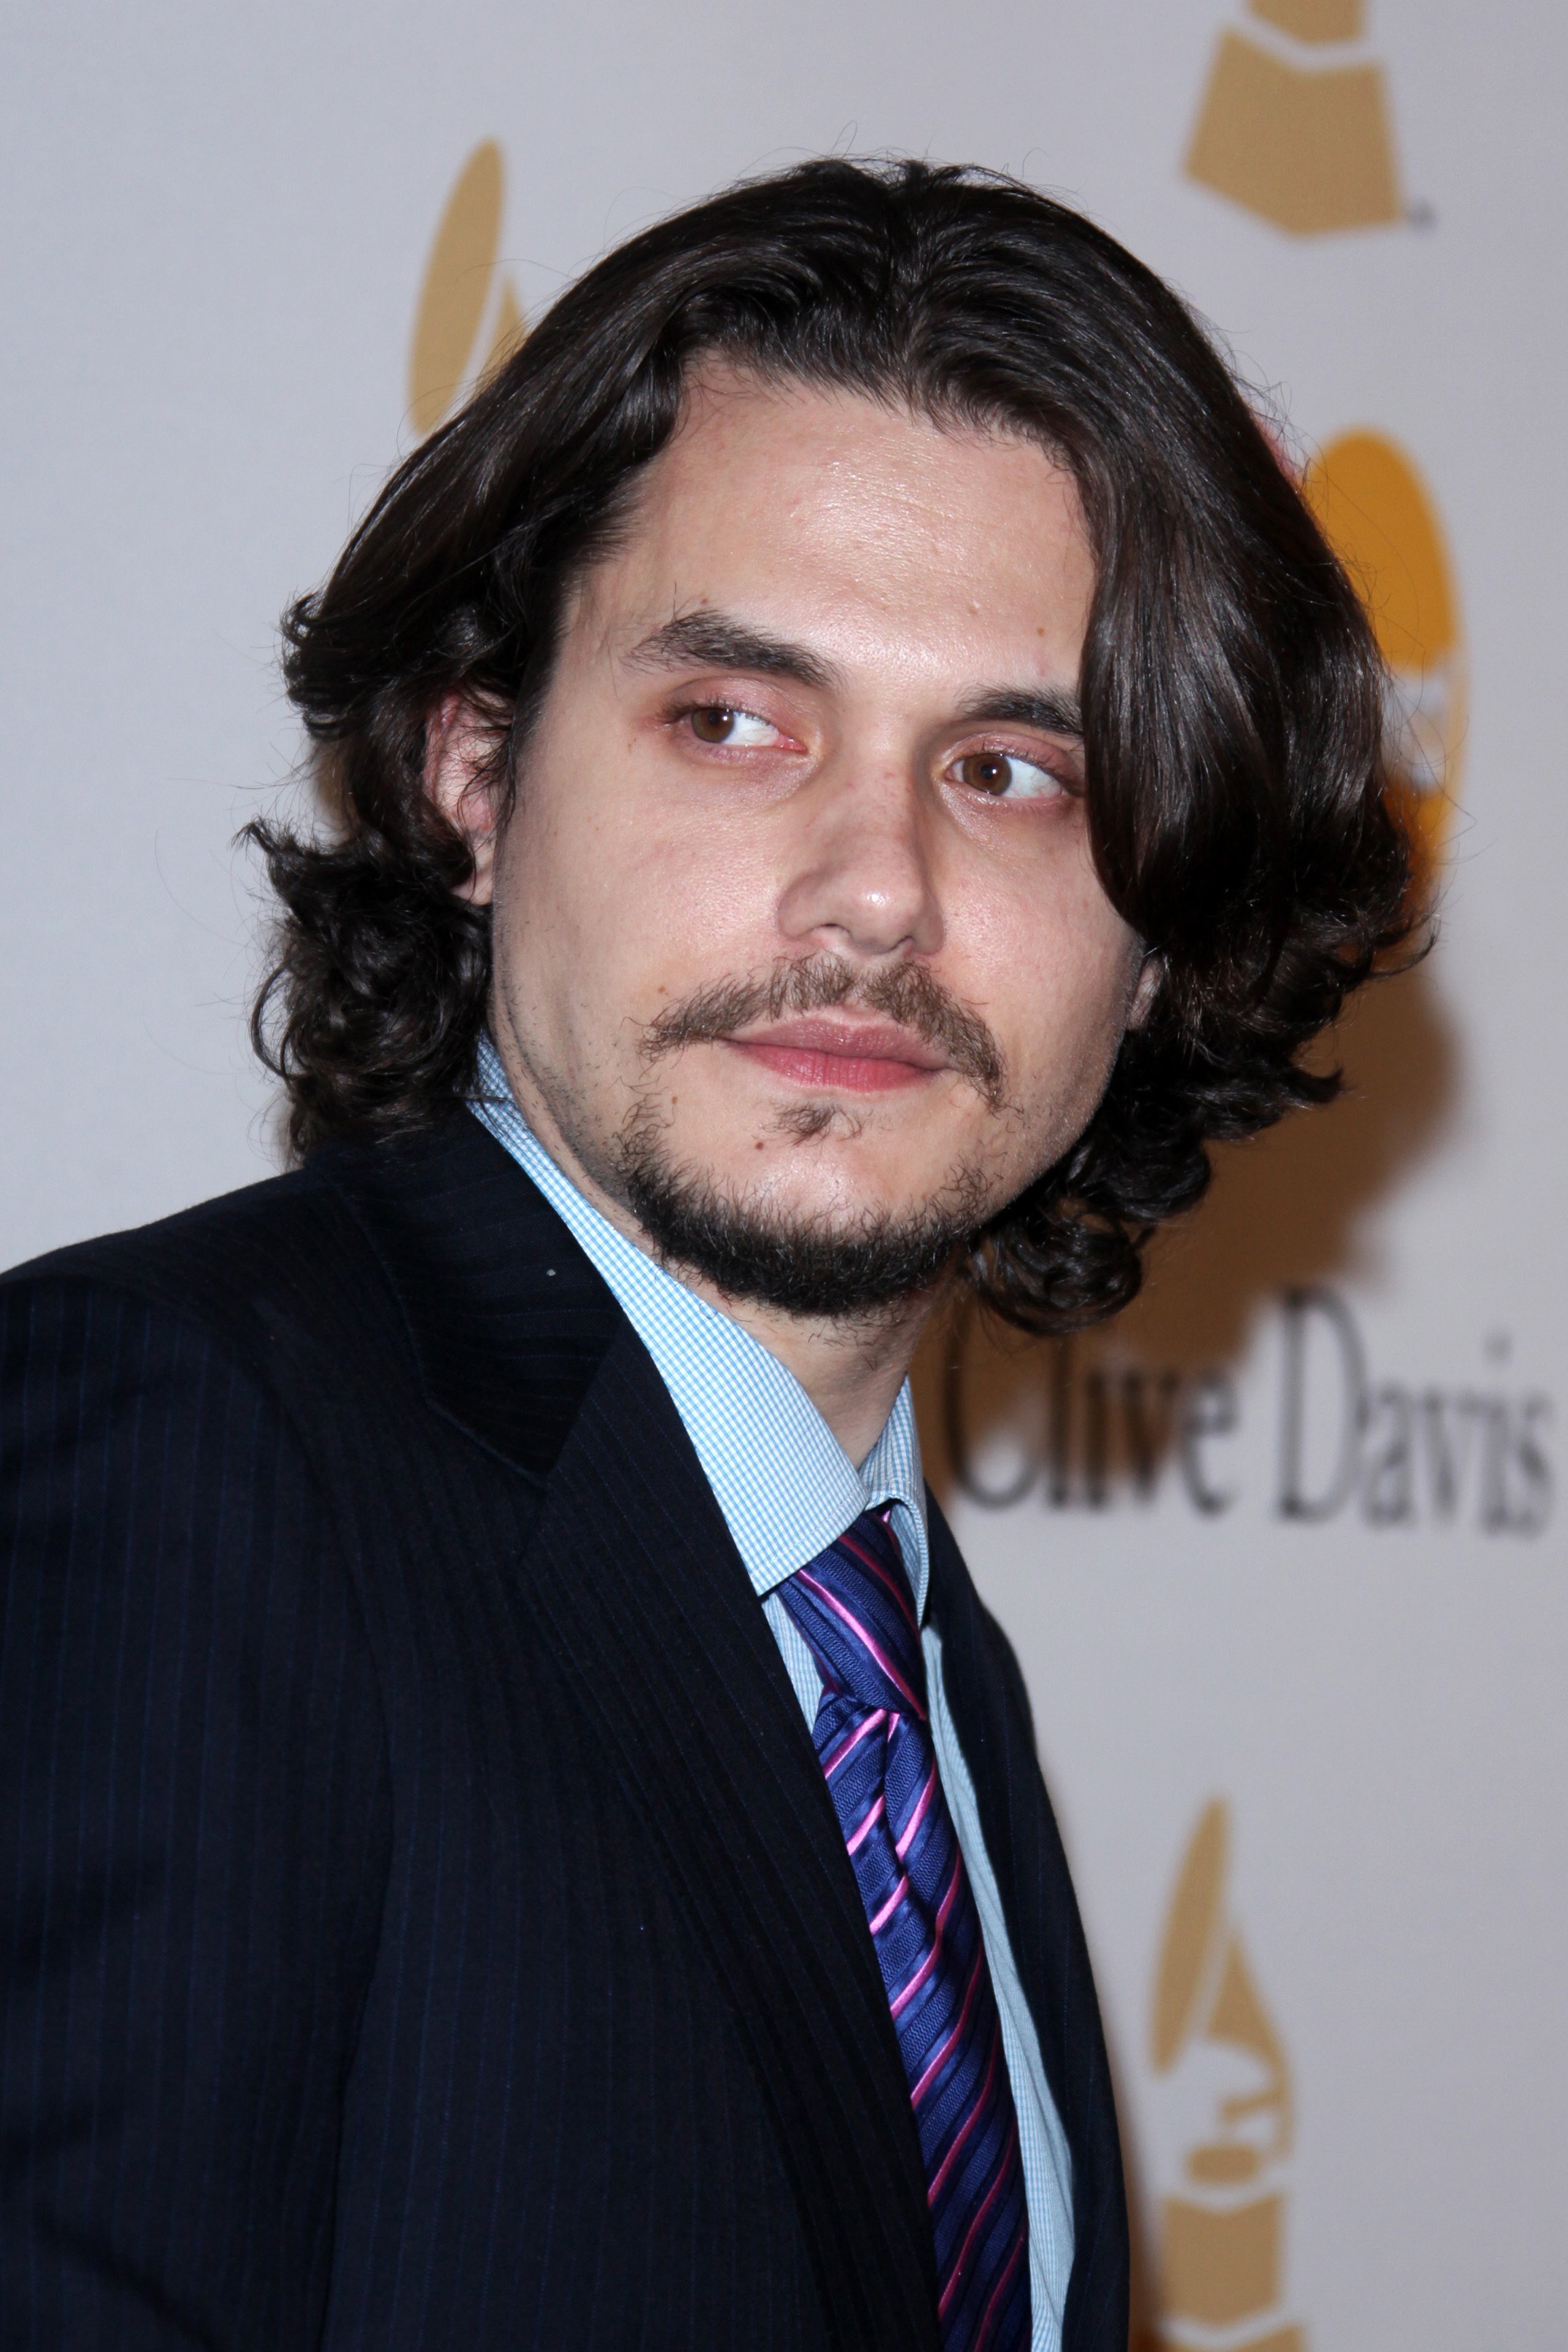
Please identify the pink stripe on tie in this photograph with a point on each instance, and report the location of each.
(853, 1741)
(900, 1592)
(976, 1973)
(973, 2117)
(864, 1831)
(917, 1816)
(989, 2314)
(889, 1906)
(934, 1954)
(1005, 2174)
(863, 1637)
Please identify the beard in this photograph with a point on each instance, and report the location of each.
(809, 1264)
(803, 1265)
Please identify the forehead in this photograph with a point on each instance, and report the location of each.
(831, 512)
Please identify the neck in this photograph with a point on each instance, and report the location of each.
(851, 1368)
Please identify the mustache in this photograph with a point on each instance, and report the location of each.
(905, 994)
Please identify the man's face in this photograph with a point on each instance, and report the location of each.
(794, 918)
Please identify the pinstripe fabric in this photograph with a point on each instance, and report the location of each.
(349, 1997)
(788, 1490)
(184, 1738)
(339, 2008)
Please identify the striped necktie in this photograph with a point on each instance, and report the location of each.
(873, 1740)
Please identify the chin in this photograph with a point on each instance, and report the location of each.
(836, 1185)
(824, 1237)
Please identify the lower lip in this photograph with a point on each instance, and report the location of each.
(836, 1073)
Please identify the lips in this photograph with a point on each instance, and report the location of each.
(831, 1054)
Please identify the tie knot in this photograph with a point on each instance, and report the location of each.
(854, 1608)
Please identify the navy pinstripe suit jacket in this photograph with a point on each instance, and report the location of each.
(423, 1920)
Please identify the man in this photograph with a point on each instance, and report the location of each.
(849, 764)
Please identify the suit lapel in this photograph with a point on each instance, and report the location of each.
(633, 1580)
(653, 1615)
(991, 1712)
(508, 1320)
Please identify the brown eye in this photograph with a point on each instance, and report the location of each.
(712, 722)
(1007, 776)
(986, 772)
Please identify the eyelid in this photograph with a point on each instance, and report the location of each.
(714, 698)
(1014, 747)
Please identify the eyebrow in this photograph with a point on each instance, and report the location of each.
(715, 642)
(1054, 712)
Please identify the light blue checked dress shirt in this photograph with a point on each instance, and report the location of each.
(788, 1489)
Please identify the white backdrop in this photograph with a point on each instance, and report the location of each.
(1284, 1556)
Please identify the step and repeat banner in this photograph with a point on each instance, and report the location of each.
(1283, 1551)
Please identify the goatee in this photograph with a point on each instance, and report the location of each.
(809, 1265)
(802, 1265)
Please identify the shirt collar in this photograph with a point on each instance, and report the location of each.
(784, 1482)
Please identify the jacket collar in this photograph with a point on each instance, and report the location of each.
(508, 1320)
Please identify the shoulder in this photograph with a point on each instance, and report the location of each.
(165, 1494)
(160, 1368)
(409, 1292)
(218, 1259)
(229, 1344)
(194, 1843)
(274, 1277)
(160, 1500)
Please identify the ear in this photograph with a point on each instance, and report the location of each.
(459, 747)
(1145, 988)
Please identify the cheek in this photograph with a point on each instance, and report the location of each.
(1062, 968)
(604, 898)
(556, 946)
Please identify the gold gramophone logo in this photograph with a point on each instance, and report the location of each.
(1222, 2228)
(469, 320)
(1294, 121)
(1381, 519)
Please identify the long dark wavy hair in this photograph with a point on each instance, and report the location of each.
(1232, 692)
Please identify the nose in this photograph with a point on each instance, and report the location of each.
(859, 880)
